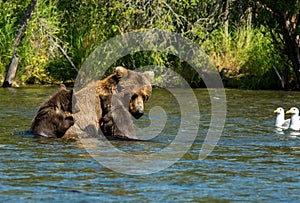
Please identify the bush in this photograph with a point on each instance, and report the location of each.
(38, 47)
(10, 14)
(248, 55)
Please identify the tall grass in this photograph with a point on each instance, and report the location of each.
(248, 55)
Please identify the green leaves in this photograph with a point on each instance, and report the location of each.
(229, 31)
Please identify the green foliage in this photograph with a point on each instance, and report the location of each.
(247, 53)
(37, 49)
(78, 27)
(10, 14)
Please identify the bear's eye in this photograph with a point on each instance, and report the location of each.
(134, 96)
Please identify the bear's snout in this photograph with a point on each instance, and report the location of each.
(138, 114)
(139, 110)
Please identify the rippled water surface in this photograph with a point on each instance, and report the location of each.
(251, 162)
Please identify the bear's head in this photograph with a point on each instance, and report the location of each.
(138, 86)
(63, 99)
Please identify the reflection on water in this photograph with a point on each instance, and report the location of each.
(250, 163)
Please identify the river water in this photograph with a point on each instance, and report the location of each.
(251, 162)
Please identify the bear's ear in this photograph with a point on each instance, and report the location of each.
(121, 71)
(149, 75)
(62, 87)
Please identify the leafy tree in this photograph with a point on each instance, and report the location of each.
(283, 19)
(62, 33)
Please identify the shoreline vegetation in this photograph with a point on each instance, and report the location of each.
(252, 44)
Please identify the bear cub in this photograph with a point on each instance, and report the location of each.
(54, 117)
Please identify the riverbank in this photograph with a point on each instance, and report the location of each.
(238, 82)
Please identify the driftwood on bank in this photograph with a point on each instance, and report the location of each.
(11, 72)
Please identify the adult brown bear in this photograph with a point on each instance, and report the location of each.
(54, 116)
(108, 103)
(105, 105)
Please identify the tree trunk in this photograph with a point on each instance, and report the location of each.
(10, 75)
(292, 42)
(294, 56)
(11, 72)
